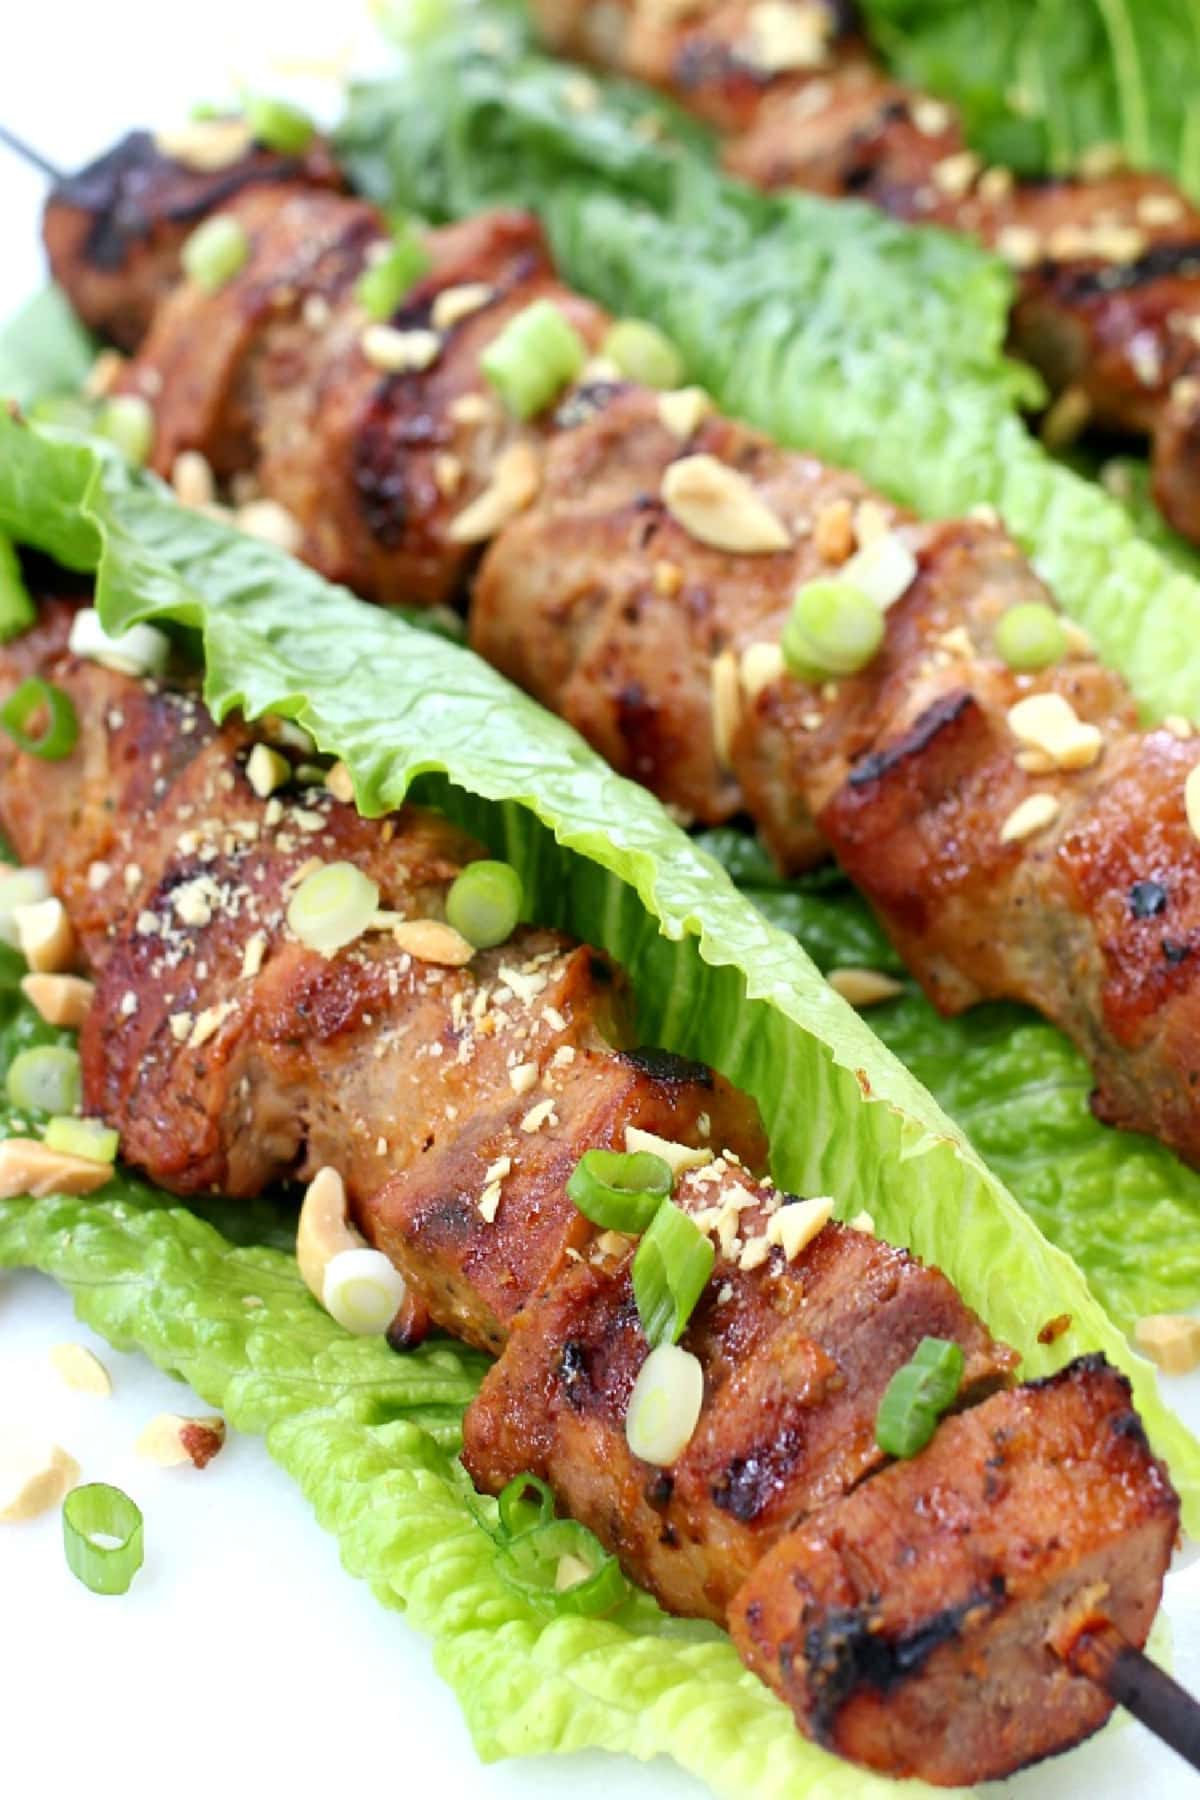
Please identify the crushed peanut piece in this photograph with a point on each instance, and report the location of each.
(1178, 726)
(668, 579)
(1048, 722)
(447, 473)
(45, 935)
(523, 1077)
(339, 783)
(513, 486)
(955, 175)
(795, 1226)
(33, 1478)
(1032, 815)
(864, 1222)
(454, 304)
(1172, 1340)
(679, 1158)
(81, 1370)
(864, 987)
(430, 941)
(833, 531)
(726, 704)
(718, 505)
(170, 1440)
(683, 410)
(59, 999)
(270, 523)
(192, 479)
(539, 1115)
(29, 1168)
(787, 34)
(399, 352)
(266, 770)
(759, 666)
(489, 1202)
(1191, 800)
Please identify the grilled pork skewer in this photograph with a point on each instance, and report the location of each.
(228, 1053)
(1048, 862)
(1108, 267)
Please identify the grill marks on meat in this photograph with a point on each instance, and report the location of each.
(268, 376)
(114, 231)
(908, 1627)
(228, 1065)
(795, 1366)
(230, 1056)
(1108, 267)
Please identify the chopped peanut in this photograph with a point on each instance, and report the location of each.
(59, 999)
(45, 935)
(81, 1370)
(1172, 1340)
(33, 1478)
(27, 1167)
(717, 505)
(864, 987)
(428, 940)
(514, 485)
(170, 1440)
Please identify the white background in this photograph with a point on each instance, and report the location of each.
(244, 1661)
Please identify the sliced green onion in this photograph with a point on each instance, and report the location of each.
(103, 1537)
(620, 1190)
(45, 1079)
(19, 887)
(384, 282)
(88, 1138)
(363, 1291)
(670, 1268)
(484, 903)
(140, 650)
(17, 611)
(128, 422)
(278, 125)
(665, 1404)
(1030, 636)
(833, 629)
(36, 697)
(532, 1564)
(538, 352)
(517, 1512)
(643, 353)
(332, 907)
(917, 1396)
(215, 252)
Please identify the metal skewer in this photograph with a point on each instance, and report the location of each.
(28, 154)
(1103, 1655)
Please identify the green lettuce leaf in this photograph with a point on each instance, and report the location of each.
(44, 350)
(370, 1437)
(876, 345)
(1040, 85)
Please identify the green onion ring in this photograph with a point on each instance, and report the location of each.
(484, 903)
(517, 1513)
(917, 1396)
(529, 1565)
(99, 1511)
(62, 725)
(620, 1190)
(671, 1268)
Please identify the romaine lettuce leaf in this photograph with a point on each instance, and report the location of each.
(1039, 85)
(874, 344)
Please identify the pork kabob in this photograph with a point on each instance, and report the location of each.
(739, 1396)
(737, 626)
(1107, 265)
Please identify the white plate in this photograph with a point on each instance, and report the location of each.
(244, 1661)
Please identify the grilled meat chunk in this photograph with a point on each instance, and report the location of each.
(114, 231)
(453, 1098)
(1108, 268)
(910, 1627)
(272, 377)
(796, 1357)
